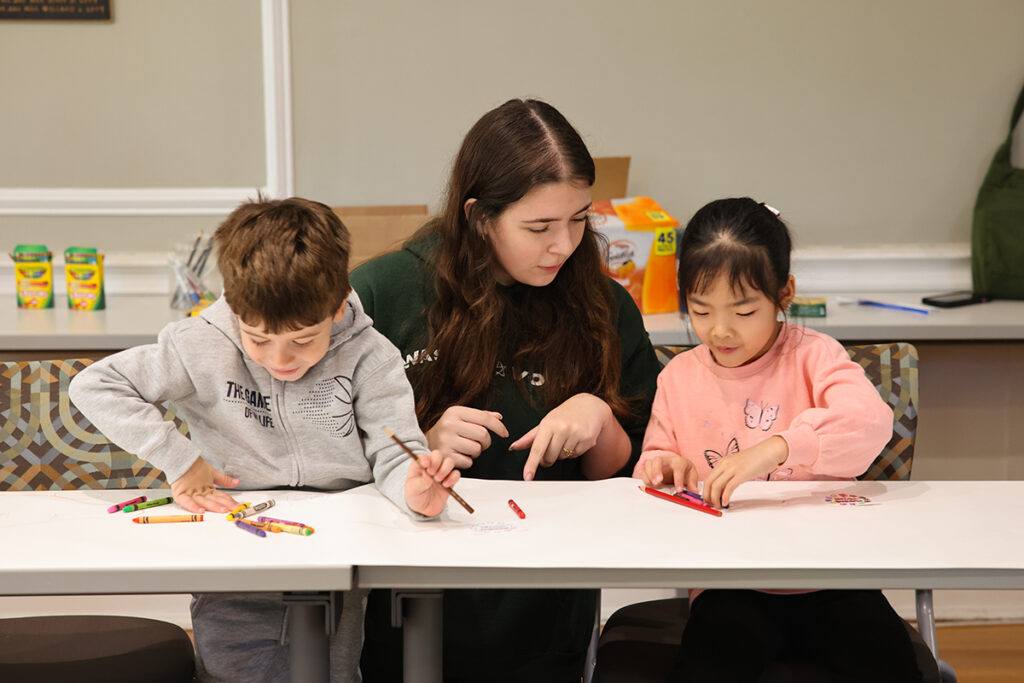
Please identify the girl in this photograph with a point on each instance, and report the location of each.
(763, 399)
(526, 363)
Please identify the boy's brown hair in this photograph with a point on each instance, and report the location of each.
(284, 262)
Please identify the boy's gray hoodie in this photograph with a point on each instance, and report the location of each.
(324, 430)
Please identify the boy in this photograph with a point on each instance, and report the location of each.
(284, 383)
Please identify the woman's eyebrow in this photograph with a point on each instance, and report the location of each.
(552, 220)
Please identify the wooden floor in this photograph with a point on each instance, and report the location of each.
(984, 653)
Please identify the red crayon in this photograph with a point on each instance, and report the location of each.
(516, 509)
(681, 500)
(115, 508)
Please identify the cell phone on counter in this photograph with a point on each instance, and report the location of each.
(953, 299)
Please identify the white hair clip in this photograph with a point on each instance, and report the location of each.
(772, 209)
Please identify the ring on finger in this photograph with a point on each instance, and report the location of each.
(568, 452)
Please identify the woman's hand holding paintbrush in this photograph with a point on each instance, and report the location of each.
(420, 493)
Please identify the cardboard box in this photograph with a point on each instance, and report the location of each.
(641, 253)
(378, 229)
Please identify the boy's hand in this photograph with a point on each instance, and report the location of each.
(675, 470)
(426, 485)
(463, 433)
(195, 490)
(751, 463)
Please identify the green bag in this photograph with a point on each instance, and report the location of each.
(997, 235)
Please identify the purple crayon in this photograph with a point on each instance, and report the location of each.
(115, 508)
(250, 528)
(261, 518)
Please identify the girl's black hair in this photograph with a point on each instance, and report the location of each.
(742, 238)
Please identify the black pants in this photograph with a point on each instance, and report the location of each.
(830, 635)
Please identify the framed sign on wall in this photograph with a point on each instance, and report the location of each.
(56, 10)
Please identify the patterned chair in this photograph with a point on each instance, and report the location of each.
(47, 444)
(639, 641)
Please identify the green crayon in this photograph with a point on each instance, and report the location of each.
(148, 504)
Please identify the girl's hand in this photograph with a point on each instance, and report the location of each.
(464, 433)
(427, 483)
(675, 470)
(195, 490)
(568, 431)
(751, 463)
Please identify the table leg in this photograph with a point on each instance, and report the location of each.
(309, 629)
(422, 624)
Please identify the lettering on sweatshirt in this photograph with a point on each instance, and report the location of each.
(256, 406)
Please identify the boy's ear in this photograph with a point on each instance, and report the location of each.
(788, 292)
(340, 312)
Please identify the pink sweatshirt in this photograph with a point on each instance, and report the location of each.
(804, 389)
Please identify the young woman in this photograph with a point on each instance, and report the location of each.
(526, 362)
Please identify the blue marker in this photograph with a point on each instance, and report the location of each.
(895, 307)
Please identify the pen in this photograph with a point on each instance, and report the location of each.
(414, 457)
(895, 307)
(703, 507)
(515, 508)
(147, 504)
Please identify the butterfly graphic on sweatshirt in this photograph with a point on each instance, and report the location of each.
(756, 415)
(714, 457)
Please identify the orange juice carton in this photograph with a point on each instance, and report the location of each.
(641, 254)
(33, 275)
(83, 267)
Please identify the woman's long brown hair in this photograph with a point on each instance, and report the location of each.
(566, 329)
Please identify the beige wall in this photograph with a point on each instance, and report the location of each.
(868, 122)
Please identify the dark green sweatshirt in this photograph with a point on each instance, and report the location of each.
(535, 635)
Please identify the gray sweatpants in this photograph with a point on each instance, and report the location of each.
(241, 638)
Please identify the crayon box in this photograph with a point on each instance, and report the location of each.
(641, 254)
(33, 275)
(83, 268)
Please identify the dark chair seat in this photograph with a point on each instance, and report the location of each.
(94, 649)
(640, 643)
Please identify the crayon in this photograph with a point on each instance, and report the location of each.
(250, 528)
(280, 521)
(163, 519)
(231, 515)
(515, 508)
(250, 511)
(290, 529)
(115, 508)
(148, 504)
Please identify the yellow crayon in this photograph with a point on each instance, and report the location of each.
(163, 519)
(231, 515)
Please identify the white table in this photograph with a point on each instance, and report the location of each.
(575, 535)
(609, 534)
(995, 320)
(65, 543)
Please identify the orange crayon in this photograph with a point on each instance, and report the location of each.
(164, 519)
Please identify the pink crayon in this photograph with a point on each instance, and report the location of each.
(133, 501)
